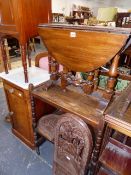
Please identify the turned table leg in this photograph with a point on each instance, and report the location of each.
(113, 72)
(24, 63)
(29, 53)
(4, 56)
(7, 53)
(97, 148)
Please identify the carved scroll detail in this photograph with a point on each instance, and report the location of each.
(73, 145)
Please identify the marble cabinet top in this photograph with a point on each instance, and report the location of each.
(16, 76)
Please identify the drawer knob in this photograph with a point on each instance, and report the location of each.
(20, 94)
(11, 91)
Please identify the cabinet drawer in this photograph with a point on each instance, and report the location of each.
(12, 90)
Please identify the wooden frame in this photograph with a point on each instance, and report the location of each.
(39, 56)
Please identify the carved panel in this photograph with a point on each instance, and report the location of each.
(73, 145)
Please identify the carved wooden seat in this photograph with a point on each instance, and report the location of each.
(46, 126)
(73, 146)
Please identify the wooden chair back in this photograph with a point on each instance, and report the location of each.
(73, 146)
(39, 56)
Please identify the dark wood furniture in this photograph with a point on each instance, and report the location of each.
(81, 49)
(73, 146)
(123, 19)
(116, 155)
(83, 14)
(58, 17)
(20, 20)
(78, 16)
(128, 58)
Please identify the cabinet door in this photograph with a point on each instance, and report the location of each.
(19, 111)
(6, 12)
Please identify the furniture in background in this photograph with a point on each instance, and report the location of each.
(123, 19)
(20, 20)
(128, 58)
(58, 17)
(115, 157)
(67, 93)
(78, 15)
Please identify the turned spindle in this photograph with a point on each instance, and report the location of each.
(89, 85)
(7, 53)
(4, 56)
(23, 56)
(96, 79)
(54, 69)
(49, 63)
(29, 52)
(111, 82)
(64, 78)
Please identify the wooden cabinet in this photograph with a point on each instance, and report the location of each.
(19, 105)
(19, 19)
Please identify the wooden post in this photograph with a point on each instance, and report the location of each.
(23, 55)
(49, 63)
(96, 79)
(64, 78)
(97, 148)
(54, 69)
(88, 86)
(4, 56)
(31, 87)
(113, 75)
(7, 53)
(29, 53)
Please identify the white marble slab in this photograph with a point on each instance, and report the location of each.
(16, 76)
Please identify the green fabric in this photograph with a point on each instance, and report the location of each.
(120, 85)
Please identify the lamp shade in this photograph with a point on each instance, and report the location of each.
(107, 14)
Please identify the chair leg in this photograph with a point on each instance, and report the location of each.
(40, 141)
(38, 150)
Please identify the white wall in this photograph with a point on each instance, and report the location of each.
(64, 6)
(123, 5)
